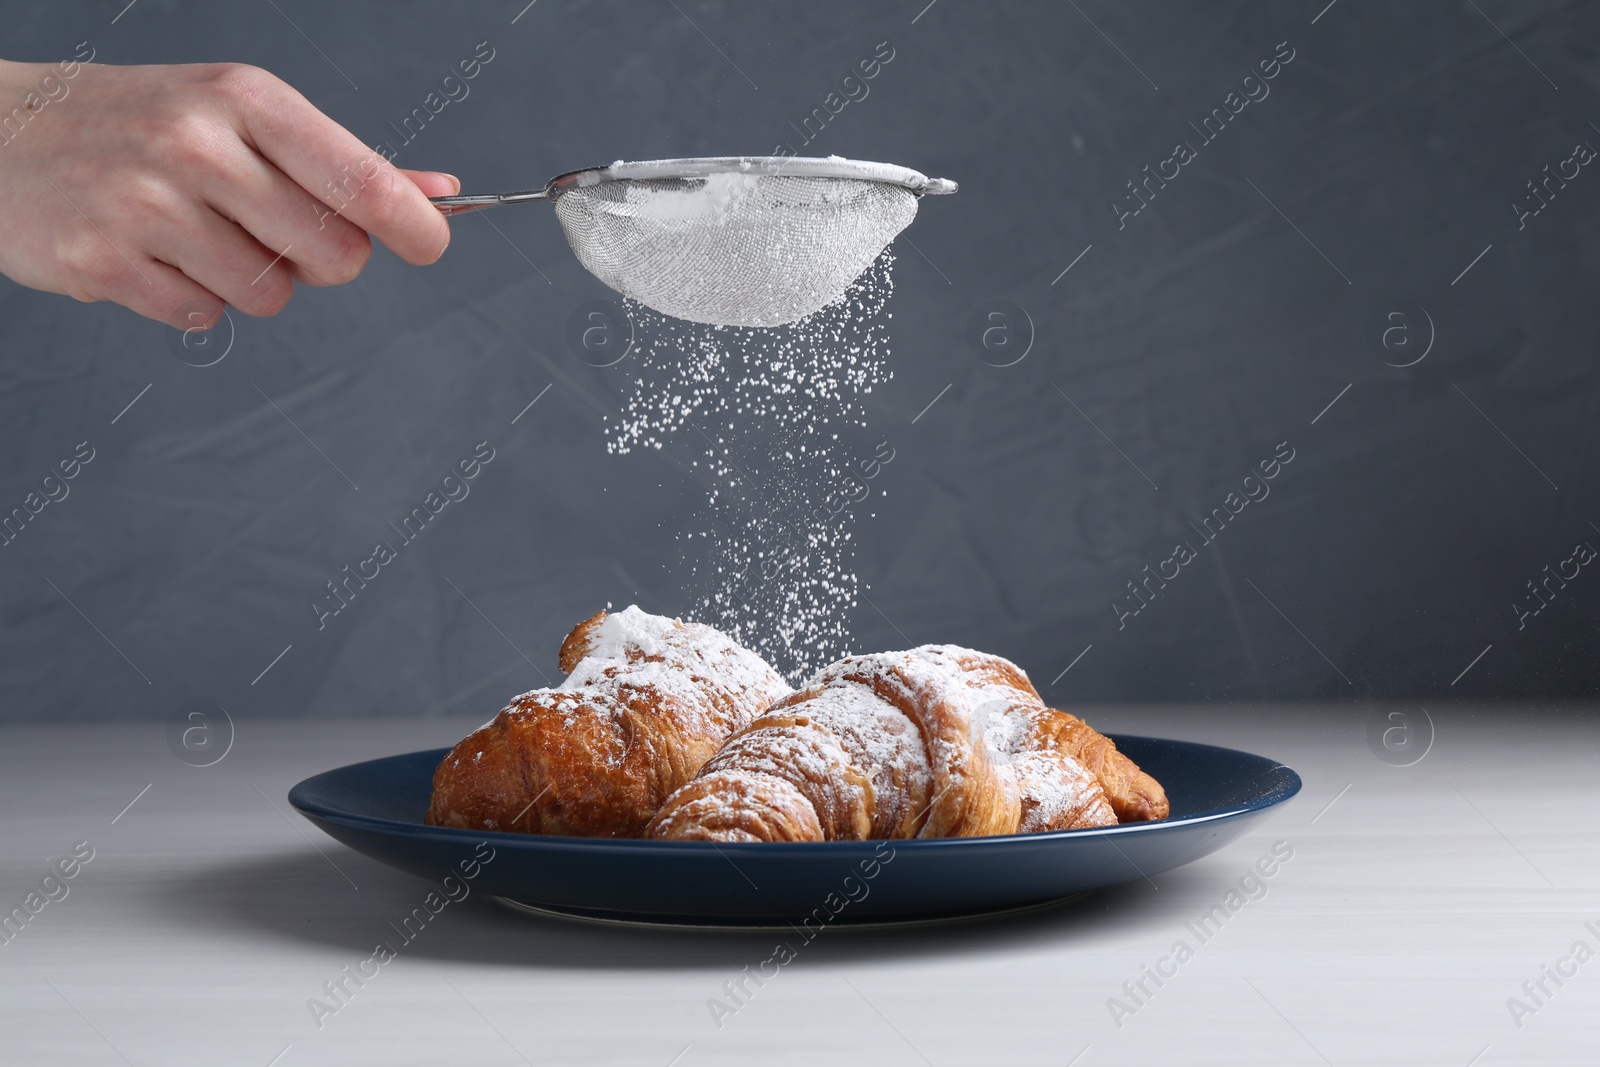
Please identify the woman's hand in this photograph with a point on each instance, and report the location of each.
(172, 190)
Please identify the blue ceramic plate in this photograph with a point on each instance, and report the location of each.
(1216, 793)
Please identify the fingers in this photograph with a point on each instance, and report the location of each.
(433, 182)
(153, 289)
(229, 186)
(219, 255)
(321, 248)
(329, 162)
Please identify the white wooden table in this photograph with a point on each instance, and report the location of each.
(1417, 903)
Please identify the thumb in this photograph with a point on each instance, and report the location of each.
(433, 182)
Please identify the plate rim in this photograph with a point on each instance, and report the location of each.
(314, 810)
(674, 922)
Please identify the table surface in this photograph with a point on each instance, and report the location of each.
(1417, 903)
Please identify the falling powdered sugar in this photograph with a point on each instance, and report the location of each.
(773, 419)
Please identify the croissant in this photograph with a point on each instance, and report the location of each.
(1134, 795)
(648, 700)
(939, 741)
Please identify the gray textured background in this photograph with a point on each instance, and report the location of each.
(1211, 328)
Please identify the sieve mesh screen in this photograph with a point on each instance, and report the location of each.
(733, 249)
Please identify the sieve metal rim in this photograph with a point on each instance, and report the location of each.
(766, 166)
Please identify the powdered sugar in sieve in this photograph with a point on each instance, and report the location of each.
(730, 241)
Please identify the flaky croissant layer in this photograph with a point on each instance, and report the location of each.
(647, 701)
(940, 741)
(671, 730)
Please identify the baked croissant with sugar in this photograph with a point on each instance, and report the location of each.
(1134, 795)
(647, 701)
(939, 741)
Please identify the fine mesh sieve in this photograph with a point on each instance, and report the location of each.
(732, 241)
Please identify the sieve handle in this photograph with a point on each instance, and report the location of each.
(455, 205)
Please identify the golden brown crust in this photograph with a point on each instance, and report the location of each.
(657, 733)
(598, 756)
(888, 747)
(936, 742)
(1134, 795)
(971, 798)
(1059, 792)
(737, 807)
(576, 645)
(784, 778)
